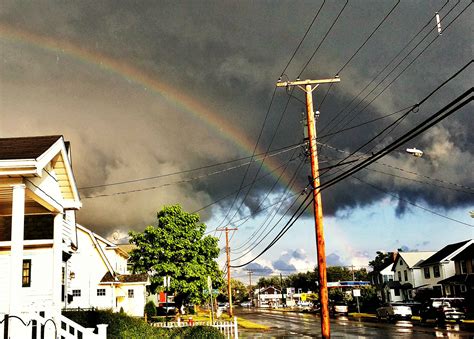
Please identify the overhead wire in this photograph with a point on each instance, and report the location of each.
(404, 69)
(412, 203)
(444, 112)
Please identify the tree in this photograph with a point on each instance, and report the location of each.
(240, 291)
(177, 247)
(382, 260)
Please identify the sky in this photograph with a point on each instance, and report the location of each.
(183, 94)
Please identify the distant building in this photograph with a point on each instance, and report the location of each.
(407, 273)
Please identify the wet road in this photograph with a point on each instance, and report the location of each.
(290, 325)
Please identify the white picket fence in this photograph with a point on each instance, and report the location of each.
(228, 328)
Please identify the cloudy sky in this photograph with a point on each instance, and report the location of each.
(183, 94)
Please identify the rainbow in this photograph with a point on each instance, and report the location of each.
(186, 103)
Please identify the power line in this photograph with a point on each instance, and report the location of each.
(443, 113)
(323, 39)
(302, 39)
(434, 119)
(403, 70)
(412, 203)
(264, 156)
(378, 73)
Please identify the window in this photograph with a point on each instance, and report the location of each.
(463, 288)
(100, 292)
(463, 266)
(76, 293)
(405, 274)
(26, 274)
(427, 272)
(436, 273)
(399, 276)
(131, 293)
(401, 262)
(397, 292)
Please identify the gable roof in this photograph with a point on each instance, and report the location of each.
(467, 253)
(33, 161)
(412, 259)
(444, 254)
(26, 147)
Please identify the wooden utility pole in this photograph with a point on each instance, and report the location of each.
(250, 272)
(308, 86)
(227, 249)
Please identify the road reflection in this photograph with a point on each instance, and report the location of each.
(404, 326)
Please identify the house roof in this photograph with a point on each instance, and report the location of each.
(412, 259)
(467, 253)
(443, 254)
(124, 278)
(26, 147)
(466, 279)
(34, 161)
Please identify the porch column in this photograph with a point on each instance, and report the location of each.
(57, 268)
(16, 252)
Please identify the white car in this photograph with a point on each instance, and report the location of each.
(394, 311)
(246, 304)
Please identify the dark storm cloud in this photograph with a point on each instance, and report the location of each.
(228, 55)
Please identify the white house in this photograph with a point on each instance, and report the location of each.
(440, 266)
(100, 278)
(407, 272)
(38, 200)
(267, 297)
(388, 289)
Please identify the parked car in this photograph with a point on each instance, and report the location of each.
(394, 311)
(305, 304)
(246, 304)
(223, 306)
(442, 309)
(164, 309)
(339, 308)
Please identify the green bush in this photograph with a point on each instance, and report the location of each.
(198, 332)
(150, 309)
(122, 326)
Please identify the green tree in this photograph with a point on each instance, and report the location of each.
(240, 291)
(382, 260)
(177, 247)
(338, 273)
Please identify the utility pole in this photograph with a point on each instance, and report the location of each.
(282, 295)
(249, 272)
(227, 249)
(308, 86)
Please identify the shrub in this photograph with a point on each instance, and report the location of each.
(122, 326)
(150, 309)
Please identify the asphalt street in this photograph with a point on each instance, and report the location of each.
(291, 325)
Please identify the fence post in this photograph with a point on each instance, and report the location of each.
(5, 326)
(236, 331)
(102, 331)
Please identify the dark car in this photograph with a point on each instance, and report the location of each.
(442, 309)
(166, 309)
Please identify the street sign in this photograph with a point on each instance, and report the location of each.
(356, 293)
